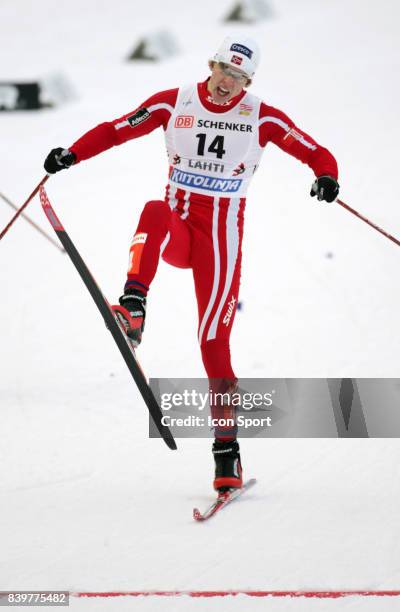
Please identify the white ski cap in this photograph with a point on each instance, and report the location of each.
(240, 52)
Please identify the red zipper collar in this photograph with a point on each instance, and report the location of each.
(206, 100)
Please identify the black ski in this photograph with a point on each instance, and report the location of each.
(119, 336)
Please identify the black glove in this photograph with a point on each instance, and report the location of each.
(59, 159)
(326, 188)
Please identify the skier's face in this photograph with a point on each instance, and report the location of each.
(225, 83)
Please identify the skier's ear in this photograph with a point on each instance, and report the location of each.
(211, 64)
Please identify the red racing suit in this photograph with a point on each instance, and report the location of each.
(213, 153)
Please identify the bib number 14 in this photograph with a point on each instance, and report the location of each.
(217, 145)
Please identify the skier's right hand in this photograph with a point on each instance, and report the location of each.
(59, 159)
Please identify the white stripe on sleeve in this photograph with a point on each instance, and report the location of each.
(274, 120)
(163, 105)
(121, 124)
(153, 107)
(288, 130)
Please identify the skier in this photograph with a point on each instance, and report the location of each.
(215, 134)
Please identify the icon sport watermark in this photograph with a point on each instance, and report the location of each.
(280, 407)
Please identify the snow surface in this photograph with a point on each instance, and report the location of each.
(88, 502)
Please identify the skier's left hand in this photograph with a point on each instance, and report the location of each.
(325, 188)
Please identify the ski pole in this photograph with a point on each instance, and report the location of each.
(34, 225)
(20, 210)
(378, 229)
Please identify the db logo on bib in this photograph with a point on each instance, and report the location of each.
(184, 121)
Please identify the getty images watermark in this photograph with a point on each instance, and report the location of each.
(284, 407)
(192, 398)
(192, 409)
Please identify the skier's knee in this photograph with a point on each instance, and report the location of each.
(217, 358)
(157, 211)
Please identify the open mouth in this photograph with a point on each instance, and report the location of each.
(222, 92)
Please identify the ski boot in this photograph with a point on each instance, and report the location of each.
(228, 469)
(131, 314)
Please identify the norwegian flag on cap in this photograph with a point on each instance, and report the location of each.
(236, 60)
(240, 51)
